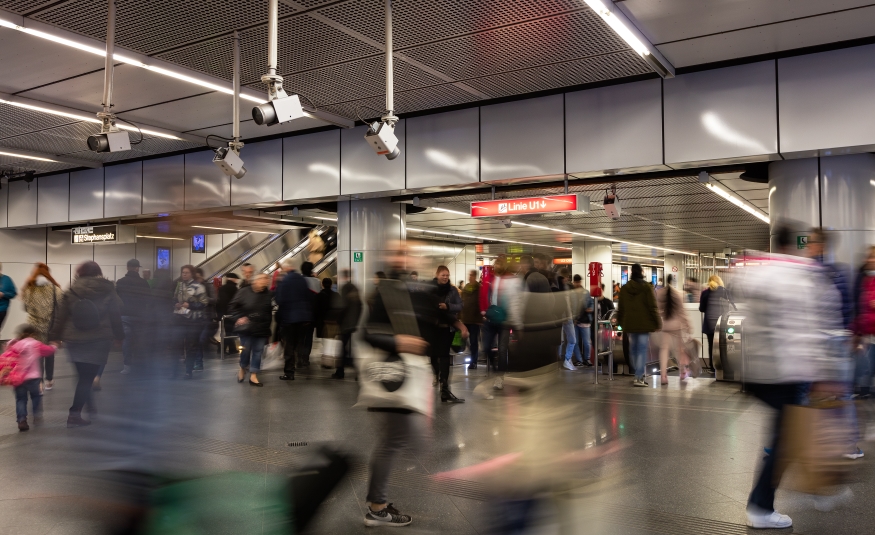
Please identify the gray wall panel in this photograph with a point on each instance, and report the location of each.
(205, 184)
(22, 203)
(124, 190)
(793, 193)
(522, 139)
(53, 198)
(214, 243)
(362, 170)
(59, 250)
(23, 245)
(847, 192)
(86, 195)
(721, 115)
(614, 128)
(311, 165)
(443, 149)
(164, 185)
(4, 197)
(263, 181)
(826, 102)
(114, 254)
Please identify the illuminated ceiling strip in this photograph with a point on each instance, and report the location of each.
(450, 211)
(79, 115)
(161, 238)
(26, 157)
(651, 258)
(471, 237)
(164, 68)
(623, 27)
(606, 238)
(234, 229)
(744, 205)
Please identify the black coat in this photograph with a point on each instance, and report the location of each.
(226, 295)
(714, 303)
(255, 306)
(135, 293)
(295, 300)
(351, 310)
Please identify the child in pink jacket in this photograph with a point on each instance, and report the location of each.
(30, 351)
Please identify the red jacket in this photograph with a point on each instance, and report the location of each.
(865, 322)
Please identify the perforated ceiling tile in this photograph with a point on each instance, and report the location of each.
(304, 44)
(14, 164)
(159, 24)
(21, 6)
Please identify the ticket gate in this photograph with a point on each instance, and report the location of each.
(729, 347)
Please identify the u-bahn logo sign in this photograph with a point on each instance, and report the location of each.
(525, 206)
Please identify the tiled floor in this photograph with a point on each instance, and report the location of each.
(681, 458)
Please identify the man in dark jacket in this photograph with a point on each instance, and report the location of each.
(252, 313)
(226, 295)
(136, 299)
(209, 325)
(638, 315)
(295, 304)
(348, 320)
(818, 243)
(471, 316)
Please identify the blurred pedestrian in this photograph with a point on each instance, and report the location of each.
(190, 303)
(449, 304)
(348, 320)
(7, 293)
(225, 295)
(502, 292)
(471, 316)
(295, 305)
(28, 369)
(582, 306)
(693, 290)
(247, 270)
(208, 321)
(713, 302)
(136, 299)
(569, 330)
(638, 316)
(251, 310)
(87, 321)
(675, 328)
(40, 296)
(327, 312)
(864, 324)
(780, 294)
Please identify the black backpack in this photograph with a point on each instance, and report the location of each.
(85, 313)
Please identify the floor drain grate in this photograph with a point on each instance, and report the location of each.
(297, 444)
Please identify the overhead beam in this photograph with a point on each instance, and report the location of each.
(41, 156)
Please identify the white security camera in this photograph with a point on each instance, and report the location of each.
(612, 206)
(109, 142)
(381, 137)
(229, 162)
(279, 110)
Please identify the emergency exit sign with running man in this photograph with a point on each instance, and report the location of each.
(525, 206)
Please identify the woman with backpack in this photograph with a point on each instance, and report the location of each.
(41, 295)
(675, 327)
(87, 321)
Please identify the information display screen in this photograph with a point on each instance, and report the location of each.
(198, 243)
(162, 260)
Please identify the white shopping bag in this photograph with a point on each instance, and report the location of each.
(274, 357)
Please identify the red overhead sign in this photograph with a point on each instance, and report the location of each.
(530, 205)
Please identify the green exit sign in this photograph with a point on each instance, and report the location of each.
(358, 256)
(801, 242)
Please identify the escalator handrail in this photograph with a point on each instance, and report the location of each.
(246, 255)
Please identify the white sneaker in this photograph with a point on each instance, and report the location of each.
(50, 385)
(498, 384)
(639, 382)
(854, 456)
(568, 365)
(126, 369)
(760, 519)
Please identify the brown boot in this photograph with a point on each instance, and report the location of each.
(22, 425)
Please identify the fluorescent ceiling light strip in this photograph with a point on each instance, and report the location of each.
(747, 207)
(23, 156)
(486, 238)
(652, 259)
(619, 26)
(161, 238)
(450, 211)
(122, 58)
(234, 229)
(606, 238)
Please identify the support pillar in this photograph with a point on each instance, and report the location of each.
(368, 227)
(585, 251)
(835, 192)
(674, 265)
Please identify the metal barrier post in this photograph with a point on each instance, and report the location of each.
(222, 338)
(595, 341)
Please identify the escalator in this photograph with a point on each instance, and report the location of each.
(234, 254)
(297, 254)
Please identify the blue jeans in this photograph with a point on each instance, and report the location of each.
(582, 350)
(864, 369)
(253, 349)
(638, 345)
(569, 339)
(31, 386)
(474, 342)
(491, 331)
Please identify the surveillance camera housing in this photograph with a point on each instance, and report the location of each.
(612, 207)
(507, 223)
(278, 110)
(109, 142)
(381, 137)
(229, 162)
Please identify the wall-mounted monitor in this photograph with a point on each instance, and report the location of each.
(198, 243)
(162, 258)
